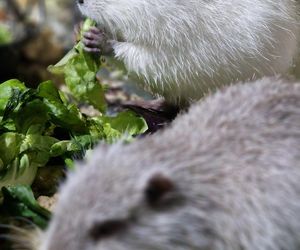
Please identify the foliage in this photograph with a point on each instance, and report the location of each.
(19, 201)
(80, 71)
(40, 125)
(30, 119)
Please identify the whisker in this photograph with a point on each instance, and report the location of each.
(15, 228)
(20, 238)
(9, 237)
(23, 219)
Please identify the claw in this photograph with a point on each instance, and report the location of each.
(92, 50)
(95, 41)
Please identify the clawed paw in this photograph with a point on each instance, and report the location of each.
(95, 40)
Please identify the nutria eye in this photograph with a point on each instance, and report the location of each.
(106, 229)
(157, 187)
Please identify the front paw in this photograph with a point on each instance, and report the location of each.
(96, 41)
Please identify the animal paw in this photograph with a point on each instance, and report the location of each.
(96, 41)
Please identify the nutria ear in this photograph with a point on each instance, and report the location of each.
(157, 188)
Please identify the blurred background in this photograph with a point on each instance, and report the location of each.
(33, 35)
(37, 33)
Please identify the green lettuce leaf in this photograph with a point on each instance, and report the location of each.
(125, 125)
(19, 201)
(80, 70)
(21, 155)
(6, 91)
(67, 116)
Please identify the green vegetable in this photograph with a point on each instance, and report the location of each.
(80, 70)
(126, 125)
(21, 155)
(65, 115)
(19, 201)
(6, 91)
(27, 129)
(18, 166)
(40, 125)
(30, 119)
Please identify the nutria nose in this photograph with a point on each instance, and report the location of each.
(80, 1)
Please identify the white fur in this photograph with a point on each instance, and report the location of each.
(235, 164)
(187, 48)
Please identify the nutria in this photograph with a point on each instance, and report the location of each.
(225, 175)
(186, 49)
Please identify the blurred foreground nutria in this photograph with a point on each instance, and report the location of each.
(223, 176)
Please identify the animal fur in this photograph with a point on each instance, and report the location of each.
(185, 49)
(224, 176)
